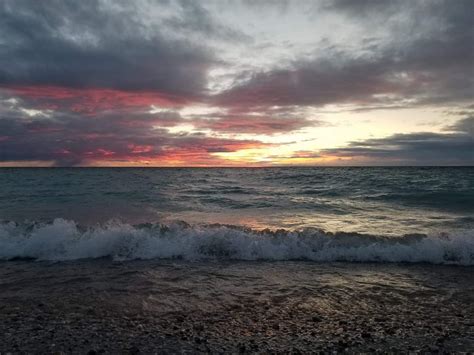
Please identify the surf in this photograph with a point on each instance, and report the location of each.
(63, 239)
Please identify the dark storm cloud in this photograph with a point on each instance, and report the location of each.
(433, 66)
(424, 148)
(101, 44)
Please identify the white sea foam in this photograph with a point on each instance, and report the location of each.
(64, 240)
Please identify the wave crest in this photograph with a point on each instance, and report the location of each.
(65, 240)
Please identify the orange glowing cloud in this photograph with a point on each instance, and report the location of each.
(192, 155)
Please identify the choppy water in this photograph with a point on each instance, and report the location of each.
(353, 214)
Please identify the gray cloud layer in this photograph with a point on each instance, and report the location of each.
(432, 66)
(62, 54)
(456, 148)
(96, 43)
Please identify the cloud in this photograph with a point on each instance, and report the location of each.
(465, 125)
(192, 18)
(432, 65)
(253, 124)
(305, 154)
(92, 100)
(365, 8)
(97, 44)
(423, 148)
(81, 77)
(70, 138)
(268, 121)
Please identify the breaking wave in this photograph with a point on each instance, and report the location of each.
(66, 240)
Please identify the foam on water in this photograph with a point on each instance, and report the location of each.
(65, 240)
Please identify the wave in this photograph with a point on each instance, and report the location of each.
(65, 240)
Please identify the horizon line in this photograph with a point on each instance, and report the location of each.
(236, 167)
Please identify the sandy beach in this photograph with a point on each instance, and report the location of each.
(132, 307)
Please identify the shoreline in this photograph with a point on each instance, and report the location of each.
(101, 306)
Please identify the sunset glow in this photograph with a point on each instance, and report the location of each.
(264, 84)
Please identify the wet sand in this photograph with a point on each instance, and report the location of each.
(132, 307)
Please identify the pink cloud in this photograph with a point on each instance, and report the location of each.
(91, 100)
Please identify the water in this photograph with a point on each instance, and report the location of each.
(352, 214)
(220, 260)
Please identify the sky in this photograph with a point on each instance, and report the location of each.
(236, 83)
